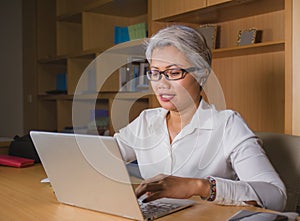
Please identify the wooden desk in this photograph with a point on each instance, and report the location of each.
(24, 197)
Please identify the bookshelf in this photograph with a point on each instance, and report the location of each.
(70, 35)
(257, 79)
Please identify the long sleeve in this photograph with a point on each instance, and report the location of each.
(230, 192)
(257, 179)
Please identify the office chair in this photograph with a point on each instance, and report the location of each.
(284, 153)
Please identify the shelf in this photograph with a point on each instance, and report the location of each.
(118, 8)
(66, 9)
(123, 8)
(102, 95)
(48, 97)
(98, 29)
(129, 48)
(227, 11)
(167, 8)
(136, 48)
(53, 60)
(62, 59)
(132, 95)
(249, 49)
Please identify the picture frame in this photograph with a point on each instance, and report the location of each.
(210, 33)
(249, 36)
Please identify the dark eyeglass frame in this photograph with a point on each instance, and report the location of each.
(183, 71)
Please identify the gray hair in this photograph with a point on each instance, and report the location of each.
(189, 42)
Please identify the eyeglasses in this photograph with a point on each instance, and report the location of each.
(172, 74)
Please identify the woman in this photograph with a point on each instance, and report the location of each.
(188, 148)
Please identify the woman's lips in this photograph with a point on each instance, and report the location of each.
(166, 97)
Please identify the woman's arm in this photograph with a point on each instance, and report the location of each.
(255, 173)
(173, 187)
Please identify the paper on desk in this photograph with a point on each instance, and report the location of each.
(46, 180)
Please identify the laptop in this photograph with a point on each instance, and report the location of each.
(88, 171)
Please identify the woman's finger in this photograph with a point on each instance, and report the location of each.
(148, 187)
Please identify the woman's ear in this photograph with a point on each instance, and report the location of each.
(204, 78)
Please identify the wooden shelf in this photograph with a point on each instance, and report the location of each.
(122, 8)
(101, 95)
(70, 8)
(229, 10)
(249, 49)
(62, 59)
(53, 60)
(132, 95)
(130, 48)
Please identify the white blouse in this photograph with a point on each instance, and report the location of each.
(215, 143)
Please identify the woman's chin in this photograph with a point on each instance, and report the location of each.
(167, 105)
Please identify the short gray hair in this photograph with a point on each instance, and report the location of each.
(189, 42)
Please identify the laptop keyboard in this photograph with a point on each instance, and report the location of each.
(156, 209)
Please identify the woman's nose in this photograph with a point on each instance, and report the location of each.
(163, 83)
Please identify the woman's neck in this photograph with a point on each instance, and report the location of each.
(177, 120)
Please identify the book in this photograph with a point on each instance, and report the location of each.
(13, 161)
(137, 31)
(61, 82)
(121, 34)
(132, 76)
(143, 83)
(122, 78)
(131, 32)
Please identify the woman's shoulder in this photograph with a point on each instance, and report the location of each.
(226, 118)
(231, 118)
(221, 115)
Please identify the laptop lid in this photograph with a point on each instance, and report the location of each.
(87, 171)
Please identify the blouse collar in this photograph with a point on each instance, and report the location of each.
(203, 117)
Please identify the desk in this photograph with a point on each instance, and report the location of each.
(24, 197)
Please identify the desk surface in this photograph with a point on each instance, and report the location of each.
(24, 197)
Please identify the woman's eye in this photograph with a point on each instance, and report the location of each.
(174, 73)
(155, 74)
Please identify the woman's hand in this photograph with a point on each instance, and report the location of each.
(172, 187)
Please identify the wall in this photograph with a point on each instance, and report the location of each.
(11, 86)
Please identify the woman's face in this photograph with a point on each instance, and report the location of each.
(175, 95)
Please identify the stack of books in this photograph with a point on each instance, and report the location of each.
(131, 32)
(133, 75)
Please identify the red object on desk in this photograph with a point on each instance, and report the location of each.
(14, 161)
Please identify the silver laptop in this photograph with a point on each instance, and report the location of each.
(88, 171)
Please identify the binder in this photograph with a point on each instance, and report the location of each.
(13, 161)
